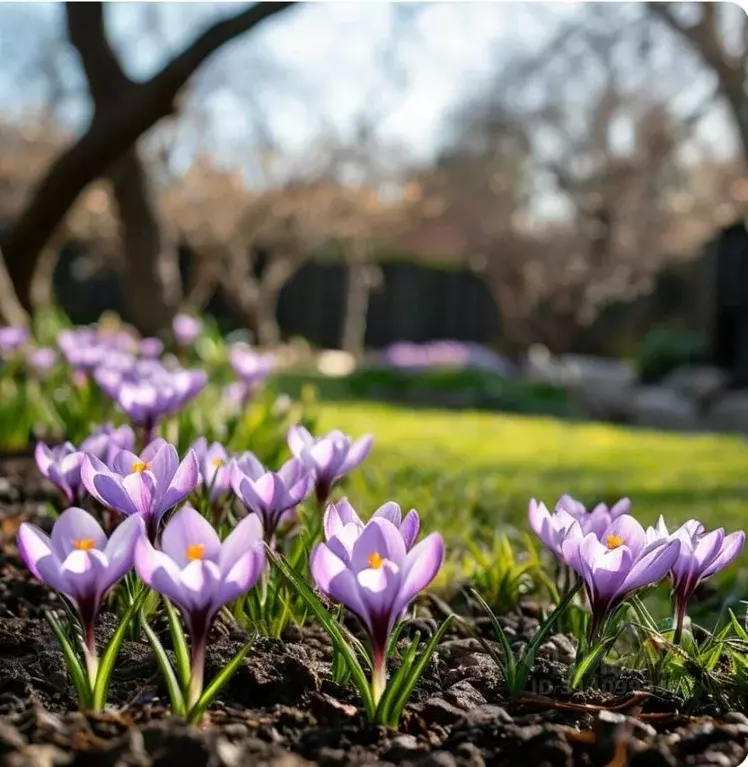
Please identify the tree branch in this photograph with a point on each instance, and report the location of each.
(111, 133)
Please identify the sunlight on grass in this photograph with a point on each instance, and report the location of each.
(467, 471)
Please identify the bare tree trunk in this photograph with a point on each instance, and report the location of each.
(268, 329)
(10, 308)
(42, 284)
(152, 279)
(362, 277)
(113, 130)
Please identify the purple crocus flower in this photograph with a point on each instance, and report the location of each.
(12, 338)
(599, 519)
(186, 329)
(107, 441)
(250, 366)
(151, 348)
(61, 465)
(200, 574)
(331, 457)
(341, 521)
(41, 360)
(147, 391)
(79, 562)
(552, 528)
(702, 555)
(148, 485)
(374, 575)
(215, 473)
(271, 495)
(615, 567)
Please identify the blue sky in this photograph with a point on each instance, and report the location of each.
(314, 65)
(317, 66)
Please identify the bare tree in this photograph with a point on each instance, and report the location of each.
(113, 130)
(707, 38)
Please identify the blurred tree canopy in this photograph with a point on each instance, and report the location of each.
(567, 179)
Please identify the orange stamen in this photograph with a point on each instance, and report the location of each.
(218, 462)
(195, 551)
(141, 466)
(83, 544)
(375, 561)
(614, 541)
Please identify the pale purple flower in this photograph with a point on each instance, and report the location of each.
(200, 574)
(151, 348)
(331, 456)
(701, 555)
(250, 366)
(599, 519)
(215, 471)
(147, 391)
(12, 338)
(61, 465)
(79, 562)
(342, 521)
(615, 567)
(81, 348)
(186, 329)
(147, 485)
(371, 572)
(41, 360)
(106, 441)
(273, 496)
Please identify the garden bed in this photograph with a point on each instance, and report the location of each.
(282, 708)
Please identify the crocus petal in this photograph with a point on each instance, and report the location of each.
(164, 465)
(105, 486)
(43, 457)
(124, 462)
(153, 448)
(50, 571)
(249, 465)
(623, 506)
(158, 571)
(378, 537)
(139, 488)
(73, 525)
(120, 549)
(33, 545)
(200, 580)
(390, 511)
(333, 578)
(298, 438)
(245, 536)
(652, 565)
(421, 565)
(242, 576)
(342, 544)
(188, 528)
(630, 531)
(731, 547)
(379, 589)
(357, 453)
(84, 573)
(410, 527)
(183, 482)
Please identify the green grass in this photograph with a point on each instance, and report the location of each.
(470, 474)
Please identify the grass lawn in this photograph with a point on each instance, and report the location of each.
(470, 473)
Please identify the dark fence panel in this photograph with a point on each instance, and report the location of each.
(414, 303)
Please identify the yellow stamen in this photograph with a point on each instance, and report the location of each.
(195, 551)
(83, 544)
(614, 541)
(375, 561)
(141, 466)
(218, 462)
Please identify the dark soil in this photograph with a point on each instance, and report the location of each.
(282, 708)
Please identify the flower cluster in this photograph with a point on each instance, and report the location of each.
(615, 556)
(374, 569)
